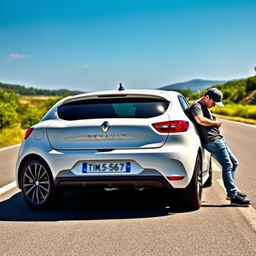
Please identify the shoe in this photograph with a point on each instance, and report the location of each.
(239, 201)
(238, 193)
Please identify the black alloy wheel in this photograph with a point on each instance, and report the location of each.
(190, 197)
(37, 184)
(199, 180)
(208, 183)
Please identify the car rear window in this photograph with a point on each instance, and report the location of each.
(113, 108)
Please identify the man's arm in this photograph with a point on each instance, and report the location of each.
(207, 122)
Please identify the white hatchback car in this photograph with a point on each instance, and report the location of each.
(114, 139)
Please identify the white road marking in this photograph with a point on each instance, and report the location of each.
(10, 147)
(248, 212)
(8, 187)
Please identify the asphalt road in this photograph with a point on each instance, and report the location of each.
(135, 223)
(242, 140)
(8, 158)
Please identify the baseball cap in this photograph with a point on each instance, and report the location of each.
(216, 95)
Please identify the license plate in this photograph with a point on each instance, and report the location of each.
(122, 167)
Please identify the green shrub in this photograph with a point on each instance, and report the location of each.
(33, 112)
(11, 136)
(16, 115)
(30, 117)
(9, 102)
(245, 111)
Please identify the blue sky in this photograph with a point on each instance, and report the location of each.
(94, 45)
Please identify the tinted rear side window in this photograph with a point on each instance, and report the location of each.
(113, 108)
(184, 104)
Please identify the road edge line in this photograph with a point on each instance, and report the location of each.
(7, 187)
(10, 147)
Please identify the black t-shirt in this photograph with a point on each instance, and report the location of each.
(207, 133)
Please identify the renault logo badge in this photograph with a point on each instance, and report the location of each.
(105, 126)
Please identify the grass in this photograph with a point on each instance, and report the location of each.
(33, 106)
(11, 136)
(238, 119)
(237, 110)
(34, 101)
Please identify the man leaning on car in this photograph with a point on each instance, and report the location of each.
(208, 128)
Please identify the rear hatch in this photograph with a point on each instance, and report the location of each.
(109, 122)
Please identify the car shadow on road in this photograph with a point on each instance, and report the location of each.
(90, 205)
(222, 205)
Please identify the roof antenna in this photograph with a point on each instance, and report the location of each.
(121, 88)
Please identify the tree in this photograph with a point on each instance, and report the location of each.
(251, 84)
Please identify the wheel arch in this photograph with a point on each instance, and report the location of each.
(25, 160)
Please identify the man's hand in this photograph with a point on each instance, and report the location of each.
(218, 122)
(207, 122)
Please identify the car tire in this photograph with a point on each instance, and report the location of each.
(208, 183)
(37, 185)
(190, 197)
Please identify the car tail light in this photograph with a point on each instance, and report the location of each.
(28, 132)
(175, 177)
(171, 126)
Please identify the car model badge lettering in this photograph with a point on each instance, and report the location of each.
(105, 126)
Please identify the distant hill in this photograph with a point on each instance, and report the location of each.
(30, 91)
(194, 85)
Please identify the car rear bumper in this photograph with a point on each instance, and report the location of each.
(120, 181)
(66, 166)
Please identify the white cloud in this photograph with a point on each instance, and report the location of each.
(17, 56)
